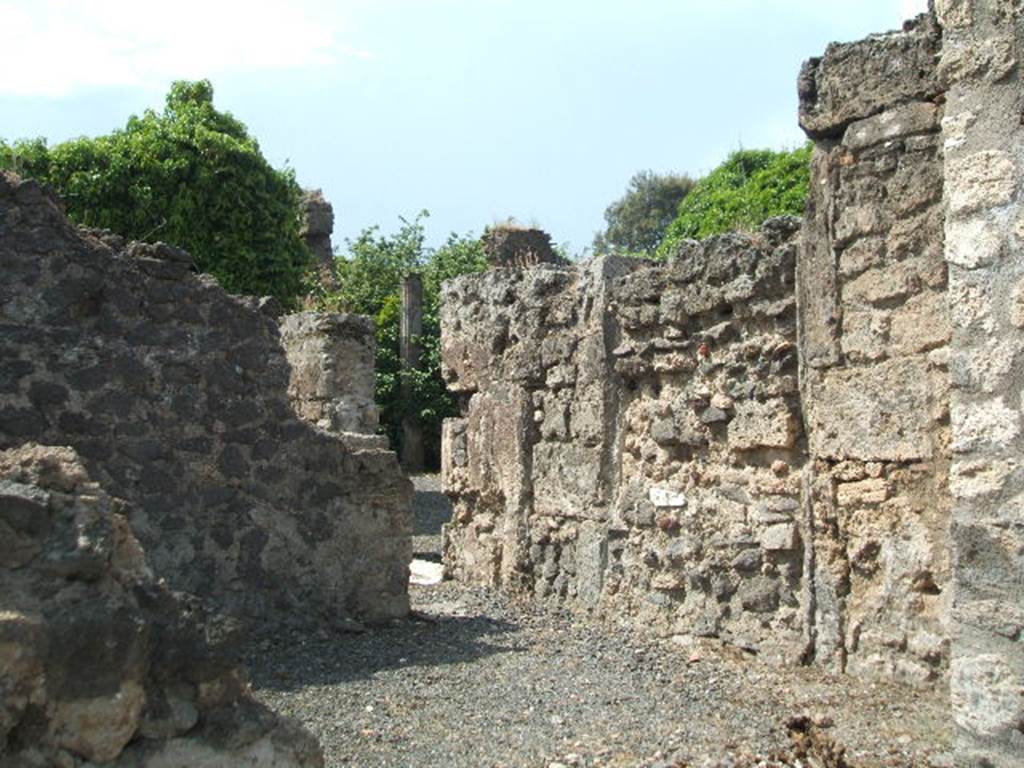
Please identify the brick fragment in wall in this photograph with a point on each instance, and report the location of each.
(182, 408)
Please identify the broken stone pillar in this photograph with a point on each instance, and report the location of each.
(410, 331)
(984, 159)
(332, 359)
(317, 226)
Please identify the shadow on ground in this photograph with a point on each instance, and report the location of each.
(431, 510)
(300, 658)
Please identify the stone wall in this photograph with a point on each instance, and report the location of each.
(984, 151)
(99, 662)
(635, 442)
(874, 335)
(175, 394)
(632, 438)
(660, 443)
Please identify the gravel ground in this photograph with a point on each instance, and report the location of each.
(477, 679)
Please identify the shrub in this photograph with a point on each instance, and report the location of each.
(191, 176)
(750, 186)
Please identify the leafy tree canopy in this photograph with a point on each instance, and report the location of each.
(750, 186)
(191, 176)
(637, 221)
(368, 277)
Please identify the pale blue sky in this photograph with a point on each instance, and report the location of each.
(475, 109)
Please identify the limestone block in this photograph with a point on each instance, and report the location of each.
(921, 324)
(876, 413)
(860, 221)
(985, 179)
(869, 491)
(666, 497)
(861, 254)
(974, 242)
(971, 479)
(865, 334)
(769, 424)
(981, 424)
(987, 694)
(883, 284)
(855, 80)
(497, 444)
(568, 480)
(914, 117)
(987, 367)
(781, 537)
(991, 58)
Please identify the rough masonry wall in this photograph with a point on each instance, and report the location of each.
(175, 394)
(632, 438)
(99, 662)
(984, 146)
(660, 442)
(874, 335)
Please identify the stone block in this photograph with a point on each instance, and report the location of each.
(880, 413)
(779, 538)
(904, 120)
(769, 424)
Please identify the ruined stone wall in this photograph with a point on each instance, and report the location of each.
(99, 662)
(874, 335)
(632, 438)
(660, 442)
(175, 394)
(984, 152)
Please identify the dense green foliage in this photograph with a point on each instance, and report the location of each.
(369, 281)
(637, 221)
(750, 186)
(190, 176)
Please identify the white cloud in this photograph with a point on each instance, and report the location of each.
(54, 47)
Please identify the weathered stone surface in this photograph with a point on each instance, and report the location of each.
(984, 156)
(317, 227)
(853, 81)
(508, 245)
(606, 485)
(881, 413)
(99, 662)
(175, 394)
(332, 370)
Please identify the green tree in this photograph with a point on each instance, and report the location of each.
(636, 222)
(368, 280)
(191, 176)
(750, 186)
